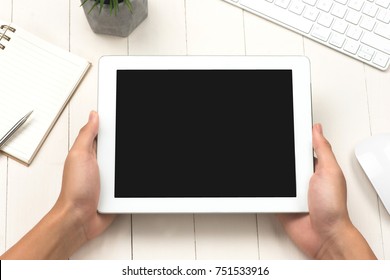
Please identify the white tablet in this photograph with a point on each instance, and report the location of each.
(204, 134)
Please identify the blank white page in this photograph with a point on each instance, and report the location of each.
(34, 75)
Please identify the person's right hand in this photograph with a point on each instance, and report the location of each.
(81, 181)
(326, 232)
(74, 219)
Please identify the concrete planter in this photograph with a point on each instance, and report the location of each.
(121, 24)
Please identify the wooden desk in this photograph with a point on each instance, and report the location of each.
(350, 99)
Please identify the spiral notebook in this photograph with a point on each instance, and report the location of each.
(34, 75)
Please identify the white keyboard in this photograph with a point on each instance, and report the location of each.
(358, 28)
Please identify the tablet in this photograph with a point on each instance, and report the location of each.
(204, 134)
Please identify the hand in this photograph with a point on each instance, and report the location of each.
(81, 181)
(74, 219)
(327, 229)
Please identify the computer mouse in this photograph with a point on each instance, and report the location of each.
(373, 154)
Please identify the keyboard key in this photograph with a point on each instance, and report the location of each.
(310, 2)
(377, 42)
(311, 14)
(282, 3)
(325, 20)
(321, 33)
(370, 9)
(351, 46)
(297, 7)
(354, 32)
(383, 30)
(339, 10)
(292, 20)
(324, 5)
(383, 3)
(353, 17)
(340, 26)
(367, 23)
(380, 59)
(337, 40)
(356, 4)
(383, 16)
(366, 52)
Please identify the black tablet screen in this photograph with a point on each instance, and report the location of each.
(204, 133)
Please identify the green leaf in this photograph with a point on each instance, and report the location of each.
(93, 7)
(113, 4)
(83, 2)
(116, 7)
(128, 4)
(101, 5)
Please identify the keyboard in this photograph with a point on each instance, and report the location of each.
(357, 28)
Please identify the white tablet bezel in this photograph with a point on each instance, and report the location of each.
(300, 66)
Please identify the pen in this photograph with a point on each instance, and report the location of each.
(13, 129)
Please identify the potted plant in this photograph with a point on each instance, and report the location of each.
(115, 17)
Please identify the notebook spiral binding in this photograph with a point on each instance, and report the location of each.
(4, 36)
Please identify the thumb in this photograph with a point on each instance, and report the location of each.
(88, 132)
(322, 147)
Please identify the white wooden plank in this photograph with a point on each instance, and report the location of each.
(163, 236)
(5, 15)
(340, 104)
(163, 32)
(214, 28)
(274, 243)
(46, 19)
(263, 37)
(33, 190)
(3, 202)
(385, 219)
(226, 236)
(6, 10)
(115, 243)
(378, 87)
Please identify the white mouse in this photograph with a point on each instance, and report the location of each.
(373, 155)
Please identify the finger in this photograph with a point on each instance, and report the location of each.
(322, 147)
(87, 135)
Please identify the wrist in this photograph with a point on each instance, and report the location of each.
(57, 236)
(345, 243)
(69, 230)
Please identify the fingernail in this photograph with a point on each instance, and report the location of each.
(92, 115)
(319, 128)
